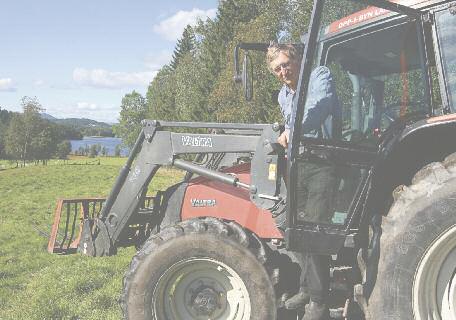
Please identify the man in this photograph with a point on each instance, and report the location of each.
(315, 189)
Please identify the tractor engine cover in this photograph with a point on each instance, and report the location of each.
(208, 198)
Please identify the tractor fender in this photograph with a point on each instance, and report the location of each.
(423, 142)
(408, 150)
(171, 205)
(446, 120)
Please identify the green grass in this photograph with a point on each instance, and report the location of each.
(35, 284)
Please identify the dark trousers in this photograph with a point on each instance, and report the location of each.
(314, 277)
(315, 195)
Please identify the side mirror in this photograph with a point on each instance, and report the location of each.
(247, 77)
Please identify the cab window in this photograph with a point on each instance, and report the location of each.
(379, 79)
(446, 30)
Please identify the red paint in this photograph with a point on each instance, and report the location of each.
(445, 118)
(356, 18)
(232, 203)
(368, 14)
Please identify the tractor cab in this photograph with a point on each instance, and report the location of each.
(393, 67)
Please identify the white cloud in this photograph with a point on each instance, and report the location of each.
(39, 83)
(100, 78)
(86, 106)
(172, 27)
(156, 61)
(7, 84)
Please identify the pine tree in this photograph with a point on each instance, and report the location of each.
(184, 45)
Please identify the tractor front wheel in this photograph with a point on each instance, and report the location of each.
(198, 269)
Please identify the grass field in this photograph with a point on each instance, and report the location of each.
(35, 284)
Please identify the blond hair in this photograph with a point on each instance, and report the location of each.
(275, 49)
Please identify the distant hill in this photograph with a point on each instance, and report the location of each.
(81, 122)
(86, 127)
(47, 116)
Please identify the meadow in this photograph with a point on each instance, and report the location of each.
(35, 284)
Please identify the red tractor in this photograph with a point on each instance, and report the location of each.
(209, 247)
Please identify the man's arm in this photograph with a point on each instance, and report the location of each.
(319, 99)
(285, 103)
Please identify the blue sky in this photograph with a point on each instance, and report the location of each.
(80, 57)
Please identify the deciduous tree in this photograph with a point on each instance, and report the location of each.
(133, 111)
(63, 150)
(29, 137)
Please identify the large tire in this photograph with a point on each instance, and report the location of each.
(417, 265)
(199, 269)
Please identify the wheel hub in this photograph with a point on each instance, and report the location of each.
(205, 301)
(201, 289)
(435, 282)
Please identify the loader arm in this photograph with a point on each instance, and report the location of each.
(157, 146)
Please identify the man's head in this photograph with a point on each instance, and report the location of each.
(283, 61)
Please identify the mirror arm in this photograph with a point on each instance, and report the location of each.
(237, 76)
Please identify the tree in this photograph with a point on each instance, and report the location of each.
(43, 142)
(14, 139)
(28, 136)
(161, 96)
(190, 98)
(198, 85)
(133, 111)
(184, 45)
(31, 118)
(63, 150)
(117, 150)
(93, 151)
(5, 117)
(104, 151)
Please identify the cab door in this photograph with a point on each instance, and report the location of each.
(380, 79)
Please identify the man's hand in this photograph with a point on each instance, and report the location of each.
(283, 138)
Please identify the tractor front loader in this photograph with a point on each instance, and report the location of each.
(224, 244)
(129, 215)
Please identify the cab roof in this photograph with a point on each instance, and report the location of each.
(372, 13)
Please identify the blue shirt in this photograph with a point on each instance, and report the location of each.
(322, 106)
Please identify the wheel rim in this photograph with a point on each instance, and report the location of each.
(434, 287)
(201, 288)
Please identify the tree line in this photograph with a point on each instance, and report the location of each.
(97, 149)
(27, 136)
(197, 85)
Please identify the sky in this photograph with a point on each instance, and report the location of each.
(80, 57)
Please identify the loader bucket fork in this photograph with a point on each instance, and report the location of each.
(68, 221)
(67, 226)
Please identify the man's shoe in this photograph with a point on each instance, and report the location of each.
(297, 301)
(316, 311)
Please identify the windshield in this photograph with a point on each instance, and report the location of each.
(378, 71)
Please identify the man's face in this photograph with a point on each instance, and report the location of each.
(286, 69)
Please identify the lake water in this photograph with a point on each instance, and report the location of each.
(107, 142)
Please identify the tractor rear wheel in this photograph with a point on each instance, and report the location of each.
(198, 269)
(416, 276)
